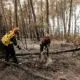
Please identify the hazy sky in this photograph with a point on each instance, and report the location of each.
(9, 3)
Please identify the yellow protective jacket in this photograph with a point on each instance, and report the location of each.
(6, 39)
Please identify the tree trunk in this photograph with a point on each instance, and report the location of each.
(23, 24)
(4, 21)
(34, 17)
(75, 24)
(42, 27)
(33, 12)
(10, 18)
(63, 17)
(16, 17)
(69, 25)
(47, 15)
(29, 19)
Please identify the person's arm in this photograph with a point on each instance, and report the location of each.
(15, 42)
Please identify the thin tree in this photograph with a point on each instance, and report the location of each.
(10, 16)
(34, 17)
(15, 12)
(47, 15)
(41, 19)
(70, 14)
(33, 12)
(63, 14)
(75, 23)
(3, 17)
(23, 23)
(30, 20)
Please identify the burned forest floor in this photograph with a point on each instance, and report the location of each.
(63, 66)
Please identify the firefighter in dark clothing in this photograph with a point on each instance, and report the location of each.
(8, 41)
(45, 43)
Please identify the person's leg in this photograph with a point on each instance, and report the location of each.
(6, 53)
(47, 48)
(12, 53)
(41, 49)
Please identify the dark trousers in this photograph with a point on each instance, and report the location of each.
(10, 53)
(42, 46)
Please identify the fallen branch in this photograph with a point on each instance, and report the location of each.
(71, 50)
(51, 52)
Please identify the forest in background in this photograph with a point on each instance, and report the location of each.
(59, 18)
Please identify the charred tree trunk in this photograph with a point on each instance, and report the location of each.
(47, 15)
(26, 16)
(23, 24)
(69, 25)
(16, 17)
(42, 27)
(33, 12)
(29, 20)
(1, 26)
(4, 17)
(34, 17)
(10, 18)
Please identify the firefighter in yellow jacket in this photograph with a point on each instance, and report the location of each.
(8, 40)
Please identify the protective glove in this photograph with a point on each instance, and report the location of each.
(18, 47)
